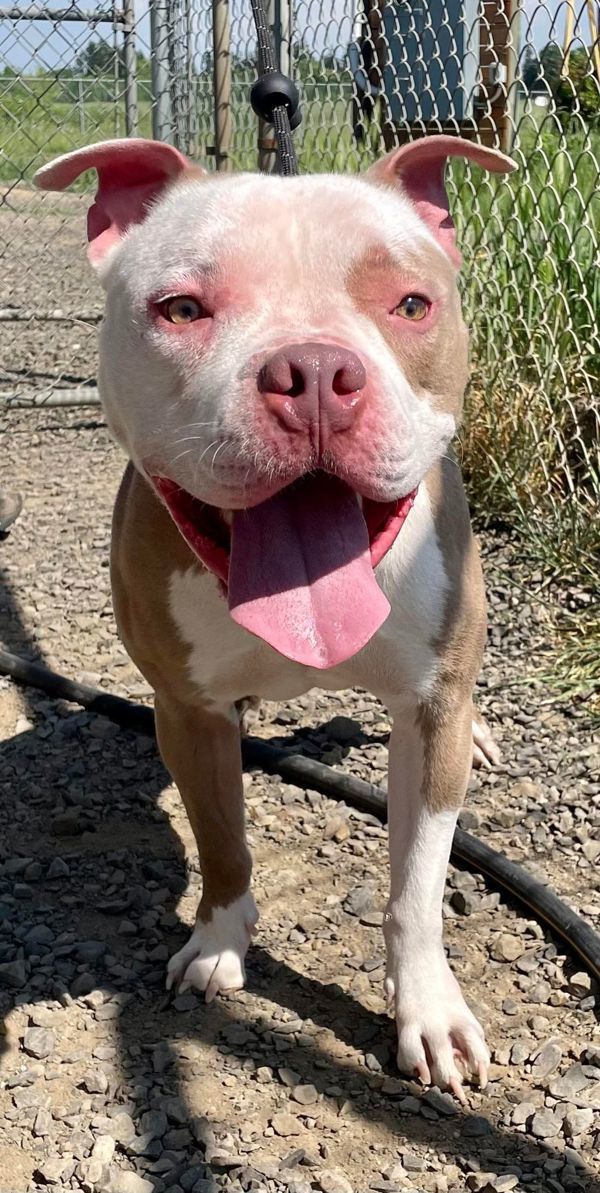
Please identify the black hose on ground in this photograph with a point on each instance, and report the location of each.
(467, 851)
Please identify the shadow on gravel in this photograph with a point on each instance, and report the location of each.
(92, 802)
(83, 791)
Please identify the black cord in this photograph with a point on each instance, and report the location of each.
(274, 96)
(467, 851)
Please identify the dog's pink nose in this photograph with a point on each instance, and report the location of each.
(313, 385)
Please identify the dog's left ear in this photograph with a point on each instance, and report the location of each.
(418, 169)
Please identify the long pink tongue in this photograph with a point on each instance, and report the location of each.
(300, 573)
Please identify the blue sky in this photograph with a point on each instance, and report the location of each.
(32, 45)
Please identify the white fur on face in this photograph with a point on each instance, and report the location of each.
(278, 253)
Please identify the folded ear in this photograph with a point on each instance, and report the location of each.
(418, 169)
(130, 172)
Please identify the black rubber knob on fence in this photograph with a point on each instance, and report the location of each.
(276, 91)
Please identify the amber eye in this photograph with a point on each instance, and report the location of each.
(181, 309)
(412, 307)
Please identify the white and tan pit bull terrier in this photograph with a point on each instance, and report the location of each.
(284, 360)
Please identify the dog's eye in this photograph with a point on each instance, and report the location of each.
(181, 309)
(413, 307)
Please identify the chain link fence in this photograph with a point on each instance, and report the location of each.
(520, 75)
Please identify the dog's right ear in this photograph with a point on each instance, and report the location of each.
(131, 173)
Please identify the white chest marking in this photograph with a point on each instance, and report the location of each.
(228, 663)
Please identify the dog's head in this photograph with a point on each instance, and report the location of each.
(260, 330)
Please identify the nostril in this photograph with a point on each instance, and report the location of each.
(350, 378)
(298, 385)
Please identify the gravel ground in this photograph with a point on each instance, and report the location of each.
(49, 305)
(110, 1086)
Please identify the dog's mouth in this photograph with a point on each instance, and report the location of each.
(298, 567)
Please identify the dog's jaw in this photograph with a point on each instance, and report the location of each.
(298, 569)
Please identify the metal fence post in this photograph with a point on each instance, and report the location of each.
(222, 83)
(162, 108)
(81, 106)
(130, 62)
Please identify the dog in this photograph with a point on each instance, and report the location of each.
(284, 361)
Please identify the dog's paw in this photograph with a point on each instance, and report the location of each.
(213, 958)
(439, 1038)
(485, 750)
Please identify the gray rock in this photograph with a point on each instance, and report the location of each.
(522, 1112)
(464, 902)
(39, 1042)
(286, 1124)
(372, 918)
(441, 1102)
(40, 934)
(546, 1061)
(104, 1148)
(58, 868)
(545, 1124)
(571, 1084)
(83, 984)
(331, 1180)
(305, 1094)
(469, 818)
(42, 1124)
(580, 984)
(154, 1123)
(576, 1122)
(95, 1081)
(410, 1105)
(13, 974)
(121, 1181)
(122, 1127)
(359, 900)
(52, 1170)
(520, 1052)
(505, 1182)
(413, 1163)
(506, 947)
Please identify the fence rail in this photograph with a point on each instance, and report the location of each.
(372, 74)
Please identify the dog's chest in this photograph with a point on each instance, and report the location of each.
(228, 663)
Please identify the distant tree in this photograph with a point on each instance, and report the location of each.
(530, 69)
(551, 62)
(98, 58)
(579, 90)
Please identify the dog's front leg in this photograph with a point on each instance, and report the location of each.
(430, 758)
(201, 749)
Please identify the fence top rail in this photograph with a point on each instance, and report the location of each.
(38, 12)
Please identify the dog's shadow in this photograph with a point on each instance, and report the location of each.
(123, 872)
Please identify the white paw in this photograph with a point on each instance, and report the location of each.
(485, 750)
(213, 958)
(439, 1039)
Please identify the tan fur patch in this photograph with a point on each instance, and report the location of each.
(201, 749)
(435, 362)
(445, 720)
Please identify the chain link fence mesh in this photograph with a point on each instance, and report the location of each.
(522, 76)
